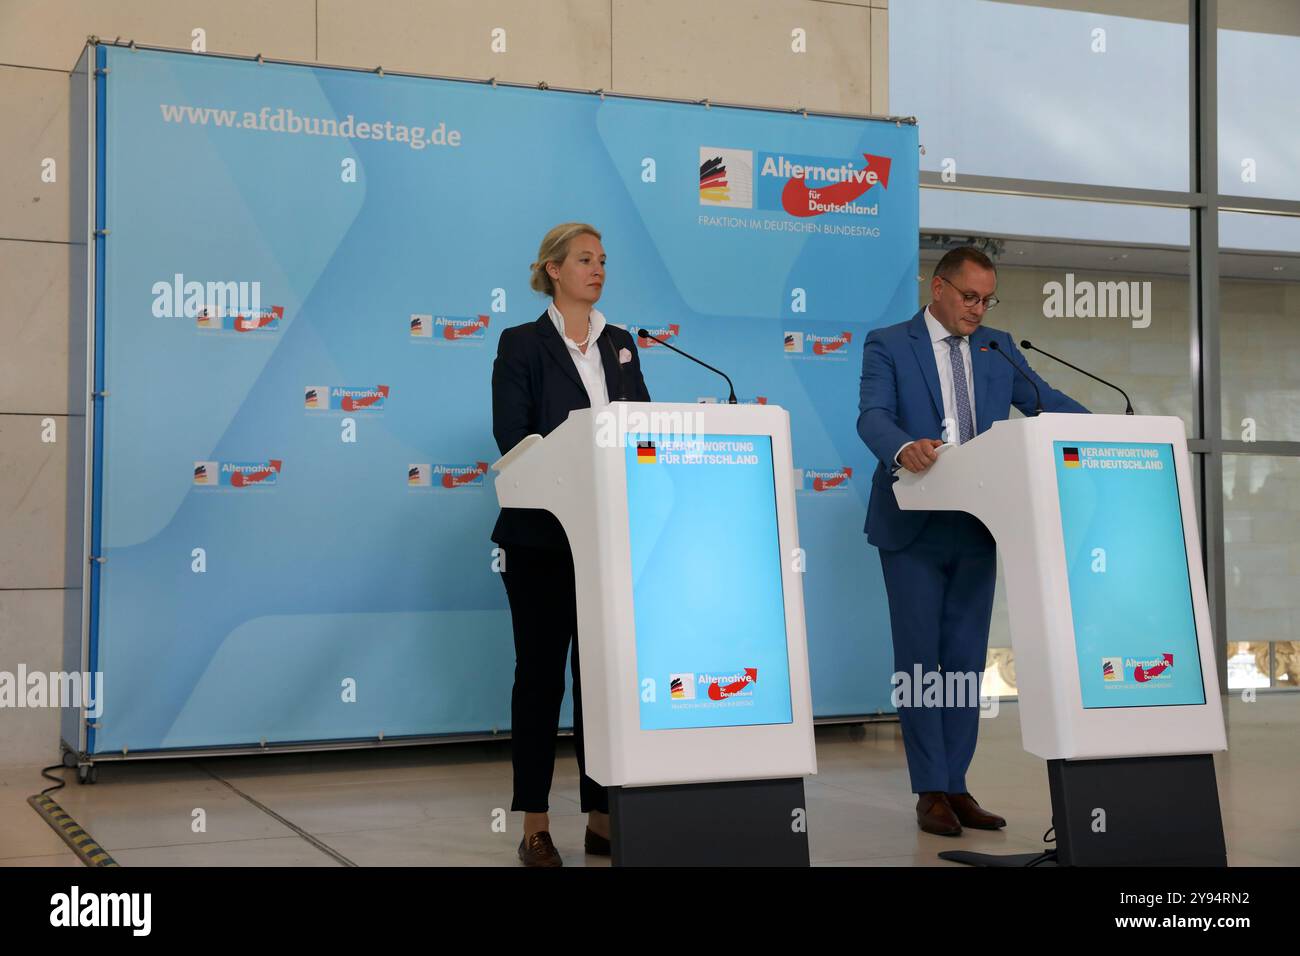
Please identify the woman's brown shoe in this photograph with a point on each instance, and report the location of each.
(595, 844)
(538, 850)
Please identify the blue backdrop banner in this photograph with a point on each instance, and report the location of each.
(305, 276)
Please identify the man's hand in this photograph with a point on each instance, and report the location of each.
(919, 455)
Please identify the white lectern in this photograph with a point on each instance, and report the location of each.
(697, 711)
(1095, 522)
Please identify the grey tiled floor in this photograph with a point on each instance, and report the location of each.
(435, 805)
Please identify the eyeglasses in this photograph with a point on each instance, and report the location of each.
(970, 298)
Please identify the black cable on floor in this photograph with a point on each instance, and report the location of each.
(1049, 836)
(45, 772)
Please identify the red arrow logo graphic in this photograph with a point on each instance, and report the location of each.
(822, 348)
(453, 481)
(821, 484)
(239, 479)
(720, 693)
(651, 343)
(464, 331)
(351, 404)
(795, 196)
(245, 323)
(1142, 676)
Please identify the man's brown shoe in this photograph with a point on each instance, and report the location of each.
(538, 850)
(934, 815)
(972, 815)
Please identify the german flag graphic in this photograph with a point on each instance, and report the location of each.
(713, 180)
(645, 453)
(1071, 457)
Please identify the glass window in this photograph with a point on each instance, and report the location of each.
(1259, 304)
(1259, 116)
(1261, 515)
(1053, 218)
(1252, 232)
(1046, 90)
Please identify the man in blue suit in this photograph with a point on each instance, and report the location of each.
(930, 379)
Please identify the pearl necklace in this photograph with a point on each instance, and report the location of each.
(586, 343)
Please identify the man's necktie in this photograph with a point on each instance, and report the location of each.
(960, 397)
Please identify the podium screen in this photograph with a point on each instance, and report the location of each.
(1126, 557)
(706, 582)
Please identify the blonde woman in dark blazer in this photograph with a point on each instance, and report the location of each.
(568, 358)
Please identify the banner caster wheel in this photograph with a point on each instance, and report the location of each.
(87, 774)
(69, 759)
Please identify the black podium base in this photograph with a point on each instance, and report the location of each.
(1005, 860)
(739, 823)
(1129, 811)
(1137, 811)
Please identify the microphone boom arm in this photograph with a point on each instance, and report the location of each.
(731, 400)
(1128, 403)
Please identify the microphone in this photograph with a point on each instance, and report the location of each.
(731, 400)
(1128, 405)
(1038, 399)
